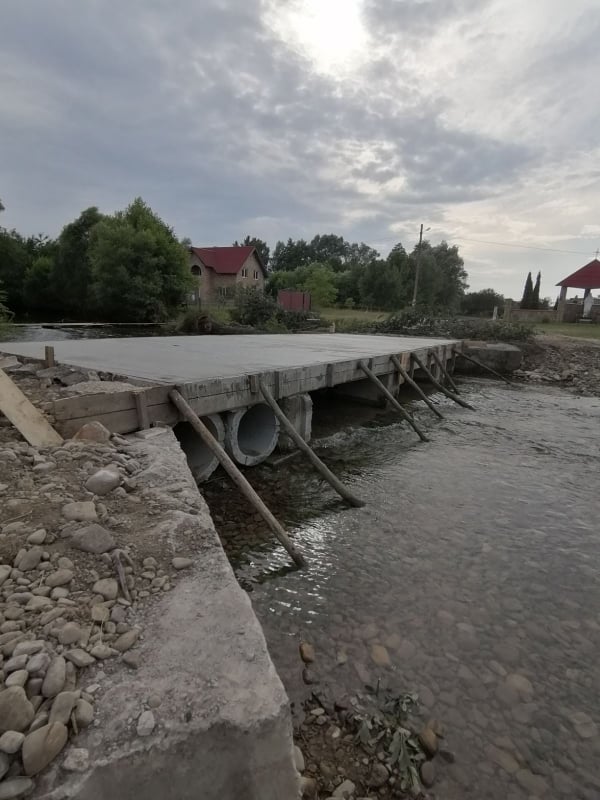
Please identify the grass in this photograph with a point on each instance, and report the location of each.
(574, 329)
(346, 314)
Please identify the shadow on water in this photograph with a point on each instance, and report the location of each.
(475, 565)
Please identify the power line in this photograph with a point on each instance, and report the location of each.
(451, 239)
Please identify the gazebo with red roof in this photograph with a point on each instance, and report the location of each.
(586, 278)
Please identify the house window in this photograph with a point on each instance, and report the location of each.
(244, 273)
(255, 275)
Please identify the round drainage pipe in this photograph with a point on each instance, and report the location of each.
(251, 434)
(201, 461)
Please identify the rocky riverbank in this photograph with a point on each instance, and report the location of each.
(570, 363)
(81, 565)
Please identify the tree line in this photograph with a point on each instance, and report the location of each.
(126, 266)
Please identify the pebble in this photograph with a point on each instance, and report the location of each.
(42, 746)
(77, 760)
(345, 789)
(54, 680)
(16, 712)
(126, 640)
(93, 539)
(145, 723)
(70, 633)
(100, 613)
(380, 655)
(84, 511)
(59, 578)
(103, 651)
(428, 740)
(15, 788)
(298, 758)
(29, 560)
(38, 664)
(132, 659)
(16, 663)
(107, 587)
(18, 678)
(307, 652)
(181, 563)
(379, 775)
(93, 432)
(428, 773)
(84, 713)
(62, 706)
(103, 482)
(11, 741)
(80, 658)
(37, 537)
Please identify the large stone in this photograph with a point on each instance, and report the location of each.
(70, 633)
(298, 758)
(181, 563)
(16, 712)
(103, 481)
(93, 539)
(345, 789)
(107, 587)
(18, 678)
(521, 684)
(59, 578)
(80, 658)
(146, 723)
(503, 759)
(54, 680)
(15, 788)
(84, 713)
(307, 652)
(42, 746)
(93, 432)
(84, 511)
(429, 741)
(103, 651)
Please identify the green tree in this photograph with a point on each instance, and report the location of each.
(535, 296)
(319, 280)
(291, 255)
(73, 269)
(482, 303)
(380, 285)
(14, 260)
(527, 299)
(39, 287)
(140, 271)
(262, 248)
(329, 249)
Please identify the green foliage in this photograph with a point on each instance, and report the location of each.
(5, 312)
(328, 249)
(14, 260)
(38, 287)
(261, 311)
(482, 303)
(73, 269)
(319, 280)
(535, 297)
(412, 322)
(139, 270)
(527, 299)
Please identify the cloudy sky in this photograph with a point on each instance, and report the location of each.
(277, 118)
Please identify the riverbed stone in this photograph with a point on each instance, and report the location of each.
(37, 537)
(103, 481)
(307, 652)
(379, 775)
(380, 655)
(503, 759)
(93, 432)
(584, 724)
(16, 711)
(79, 657)
(346, 789)
(93, 539)
(181, 563)
(428, 773)
(428, 740)
(107, 587)
(84, 713)
(11, 741)
(42, 746)
(77, 760)
(62, 706)
(298, 758)
(534, 784)
(54, 680)
(100, 613)
(126, 640)
(15, 788)
(17, 678)
(521, 684)
(82, 511)
(146, 723)
(59, 578)
(70, 633)
(30, 559)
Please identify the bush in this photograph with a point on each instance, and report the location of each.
(252, 307)
(415, 323)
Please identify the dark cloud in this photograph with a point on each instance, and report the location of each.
(204, 111)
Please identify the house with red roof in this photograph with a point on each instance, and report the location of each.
(586, 278)
(221, 270)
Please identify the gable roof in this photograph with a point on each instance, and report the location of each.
(226, 260)
(587, 277)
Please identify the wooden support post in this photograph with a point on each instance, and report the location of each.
(396, 362)
(321, 468)
(444, 372)
(390, 397)
(48, 356)
(30, 422)
(141, 405)
(234, 473)
(439, 386)
(485, 367)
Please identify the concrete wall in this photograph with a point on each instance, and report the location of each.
(223, 727)
(512, 313)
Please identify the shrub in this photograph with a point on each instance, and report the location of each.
(253, 307)
(415, 323)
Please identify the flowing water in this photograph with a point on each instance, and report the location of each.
(475, 564)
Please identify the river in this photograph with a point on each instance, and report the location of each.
(475, 564)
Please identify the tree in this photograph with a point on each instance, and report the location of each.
(380, 285)
(527, 299)
(39, 291)
(482, 303)
(140, 271)
(262, 248)
(291, 255)
(330, 249)
(320, 282)
(73, 270)
(535, 297)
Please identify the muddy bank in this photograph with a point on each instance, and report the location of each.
(566, 362)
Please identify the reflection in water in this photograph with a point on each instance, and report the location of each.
(475, 564)
(40, 333)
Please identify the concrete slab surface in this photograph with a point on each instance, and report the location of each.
(178, 359)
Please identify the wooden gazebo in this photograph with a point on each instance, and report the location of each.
(586, 278)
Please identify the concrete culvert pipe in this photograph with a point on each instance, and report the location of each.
(251, 434)
(201, 461)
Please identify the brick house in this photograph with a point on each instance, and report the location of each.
(221, 270)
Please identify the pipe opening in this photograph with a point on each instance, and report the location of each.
(256, 430)
(201, 461)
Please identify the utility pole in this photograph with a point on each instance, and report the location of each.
(417, 268)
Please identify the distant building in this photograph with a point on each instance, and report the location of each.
(586, 278)
(221, 270)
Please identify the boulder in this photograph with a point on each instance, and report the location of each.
(42, 746)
